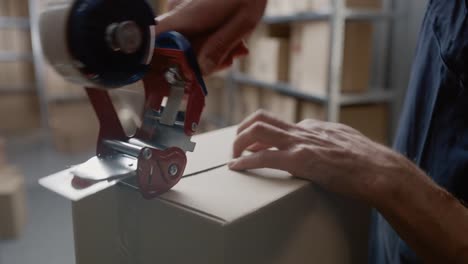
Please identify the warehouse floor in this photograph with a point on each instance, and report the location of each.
(48, 236)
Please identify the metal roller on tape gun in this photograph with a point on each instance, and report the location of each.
(107, 44)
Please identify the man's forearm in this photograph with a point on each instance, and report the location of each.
(427, 217)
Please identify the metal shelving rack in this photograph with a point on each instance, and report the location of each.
(39, 65)
(7, 56)
(338, 15)
(334, 99)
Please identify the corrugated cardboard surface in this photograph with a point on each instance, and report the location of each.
(269, 60)
(310, 49)
(19, 113)
(282, 106)
(281, 7)
(357, 56)
(370, 119)
(310, 53)
(12, 203)
(248, 100)
(372, 4)
(220, 216)
(74, 126)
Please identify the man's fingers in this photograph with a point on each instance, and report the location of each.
(239, 51)
(186, 17)
(172, 4)
(262, 133)
(218, 46)
(224, 23)
(258, 147)
(265, 159)
(263, 116)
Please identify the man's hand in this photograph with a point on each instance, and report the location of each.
(217, 29)
(334, 156)
(342, 160)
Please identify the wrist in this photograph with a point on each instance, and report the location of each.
(395, 182)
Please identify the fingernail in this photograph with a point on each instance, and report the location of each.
(232, 164)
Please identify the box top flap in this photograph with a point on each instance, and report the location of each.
(229, 195)
(206, 156)
(213, 149)
(221, 193)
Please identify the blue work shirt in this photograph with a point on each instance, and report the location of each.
(433, 129)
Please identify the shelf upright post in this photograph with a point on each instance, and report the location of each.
(388, 6)
(338, 21)
(39, 63)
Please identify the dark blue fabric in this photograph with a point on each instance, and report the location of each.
(433, 130)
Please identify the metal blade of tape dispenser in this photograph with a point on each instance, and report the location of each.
(91, 177)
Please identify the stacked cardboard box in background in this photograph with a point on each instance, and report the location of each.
(15, 39)
(280, 7)
(293, 53)
(298, 54)
(160, 6)
(215, 111)
(310, 55)
(19, 111)
(370, 119)
(74, 126)
(72, 122)
(12, 199)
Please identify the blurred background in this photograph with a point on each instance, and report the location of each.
(299, 54)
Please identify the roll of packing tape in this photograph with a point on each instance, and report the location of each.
(99, 43)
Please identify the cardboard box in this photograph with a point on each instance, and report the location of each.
(15, 40)
(269, 59)
(220, 216)
(161, 6)
(314, 5)
(12, 203)
(282, 106)
(284, 8)
(365, 4)
(74, 126)
(215, 102)
(280, 8)
(4, 8)
(248, 100)
(16, 75)
(7, 35)
(57, 87)
(373, 120)
(357, 58)
(18, 8)
(310, 57)
(21, 39)
(19, 113)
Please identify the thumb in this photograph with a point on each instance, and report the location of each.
(223, 42)
(187, 16)
(172, 4)
(239, 51)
